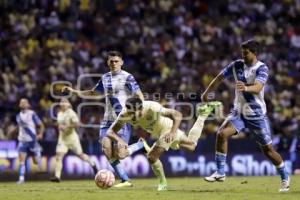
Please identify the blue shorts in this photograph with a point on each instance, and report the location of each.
(30, 147)
(124, 133)
(260, 127)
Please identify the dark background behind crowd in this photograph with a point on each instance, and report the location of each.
(173, 47)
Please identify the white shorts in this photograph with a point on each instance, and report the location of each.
(173, 144)
(64, 146)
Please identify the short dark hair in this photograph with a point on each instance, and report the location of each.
(134, 103)
(252, 45)
(114, 53)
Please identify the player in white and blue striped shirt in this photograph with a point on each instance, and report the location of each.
(31, 130)
(250, 76)
(116, 86)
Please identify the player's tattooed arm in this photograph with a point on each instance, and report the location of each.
(212, 86)
(113, 130)
(176, 116)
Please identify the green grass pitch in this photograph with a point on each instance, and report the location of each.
(244, 188)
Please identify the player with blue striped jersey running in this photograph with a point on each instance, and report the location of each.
(31, 130)
(250, 76)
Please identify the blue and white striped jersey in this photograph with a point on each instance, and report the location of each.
(27, 121)
(117, 87)
(247, 103)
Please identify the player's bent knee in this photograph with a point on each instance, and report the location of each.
(122, 153)
(221, 134)
(152, 159)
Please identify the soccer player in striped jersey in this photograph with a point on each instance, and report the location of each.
(250, 76)
(31, 130)
(116, 86)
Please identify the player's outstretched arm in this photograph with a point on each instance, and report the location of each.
(212, 86)
(90, 92)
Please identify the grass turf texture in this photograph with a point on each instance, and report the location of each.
(245, 188)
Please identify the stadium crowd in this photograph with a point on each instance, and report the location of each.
(171, 46)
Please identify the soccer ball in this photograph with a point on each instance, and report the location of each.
(104, 179)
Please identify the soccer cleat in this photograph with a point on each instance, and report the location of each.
(205, 109)
(146, 148)
(55, 179)
(123, 184)
(20, 182)
(162, 186)
(215, 177)
(285, 185)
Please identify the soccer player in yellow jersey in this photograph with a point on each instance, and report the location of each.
(68, 138)
(162, 123)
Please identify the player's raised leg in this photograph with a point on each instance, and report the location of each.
(157, 167)
(75, 146)
(223, 134)
(87, 159)
(203, 111)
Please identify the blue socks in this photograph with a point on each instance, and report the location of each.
(220, 160)
(282, 171)
(135, 147)
(119, 170)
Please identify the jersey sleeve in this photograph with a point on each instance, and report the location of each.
(131, 84)
(99, 86)
(262, 74)
(228, 71)
(36, 119)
